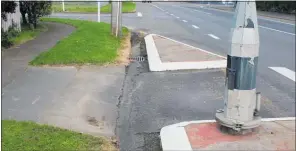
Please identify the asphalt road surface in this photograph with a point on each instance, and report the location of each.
(153, 100)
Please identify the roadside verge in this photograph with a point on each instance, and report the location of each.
(91, 43)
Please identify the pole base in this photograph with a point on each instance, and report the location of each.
(238, 126)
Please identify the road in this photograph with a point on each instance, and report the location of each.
(152, 100)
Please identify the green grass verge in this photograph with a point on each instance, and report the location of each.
(27, 136)
(75, 8)
(91, 7)
(127, 7)
(91, 42)
(28, 34)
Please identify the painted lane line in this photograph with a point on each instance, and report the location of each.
(213, 36)
(37, 99)
(185, 21)
(172, 15)
(266, 18)
(193, 10)
(259, 16)
(158, 7)
(285, 72)
(277, 30)
(139, 14)
(177, 17)
(201, 11)
(195, 27)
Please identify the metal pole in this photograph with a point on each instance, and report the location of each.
(99, 11)
(116, 18)
(119, 19)
(63, 5)
(241, 101)
(113, 18)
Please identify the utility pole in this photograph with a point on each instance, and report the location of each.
(116, 18)
(63, 5)
(99, 12)
(241, 101)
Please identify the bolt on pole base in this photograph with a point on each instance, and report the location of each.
(236, 127)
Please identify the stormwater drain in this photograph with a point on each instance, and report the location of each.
(138, 59)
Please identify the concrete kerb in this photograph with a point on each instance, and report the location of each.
(168, 134)
(155, 64)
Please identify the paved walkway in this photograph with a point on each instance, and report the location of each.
(82, 99)
(15, 60)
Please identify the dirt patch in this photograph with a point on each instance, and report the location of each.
(124, 51)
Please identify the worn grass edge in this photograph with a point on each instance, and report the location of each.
(124, 42)
(44, 29)
(108, 143)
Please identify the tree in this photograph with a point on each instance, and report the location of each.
(23, 10)
(7, 7)
(35, 10)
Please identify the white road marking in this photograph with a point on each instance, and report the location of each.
(158, 7)
(172, 15)
(195, 27)
(266, 18)
(192, 9)
(259, 16)
(177, 17)
(139, 14)
(37, 99)
(285, 72)
(277, 30)
(185, 21)
(213, 36)
(201, 11)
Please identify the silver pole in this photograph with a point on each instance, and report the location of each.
(63, 5)
(241, 101)
(116, 18)
(99, 11)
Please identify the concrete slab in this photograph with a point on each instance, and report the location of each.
(273, 134)
(83, 100)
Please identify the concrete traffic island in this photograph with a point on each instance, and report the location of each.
(165, 54)
(272, 134)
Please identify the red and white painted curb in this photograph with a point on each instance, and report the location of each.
(174, 137)
(155, 64)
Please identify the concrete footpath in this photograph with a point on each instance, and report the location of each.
(82, 99)
(272, 134)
